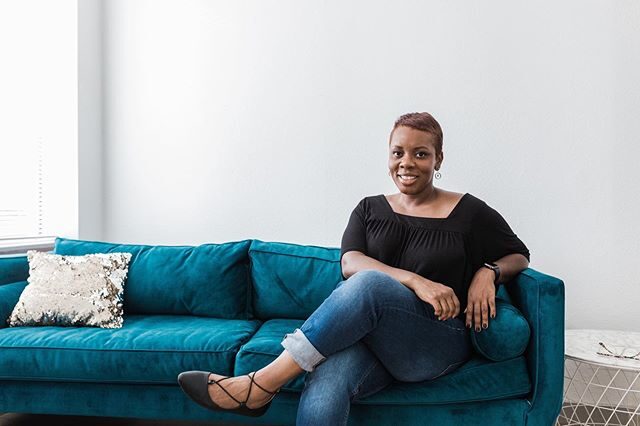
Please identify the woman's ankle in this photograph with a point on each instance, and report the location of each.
(265, 378)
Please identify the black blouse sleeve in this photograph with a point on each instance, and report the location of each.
(494, 236)
(355, 235)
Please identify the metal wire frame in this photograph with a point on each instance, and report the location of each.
(572, 381)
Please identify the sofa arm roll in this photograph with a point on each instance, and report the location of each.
(541, 300)
(13, 269)
(9, 295)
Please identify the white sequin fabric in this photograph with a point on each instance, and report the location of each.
(73, 290)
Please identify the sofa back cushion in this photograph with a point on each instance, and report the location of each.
(13, 269)
(290, 280)
(209, 280)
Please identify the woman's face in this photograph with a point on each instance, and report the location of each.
(412, 159)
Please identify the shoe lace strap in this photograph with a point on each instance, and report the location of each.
(212, 381)
(256, 383)
(273, 394)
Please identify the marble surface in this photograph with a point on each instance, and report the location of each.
(583, 345)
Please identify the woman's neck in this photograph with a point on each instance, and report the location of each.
(426, 197)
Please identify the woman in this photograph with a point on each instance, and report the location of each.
(418, 265)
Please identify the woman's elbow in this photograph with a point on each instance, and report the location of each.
(346, 263)
(523, 264)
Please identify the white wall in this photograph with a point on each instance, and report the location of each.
(269, 120)
(90, 176)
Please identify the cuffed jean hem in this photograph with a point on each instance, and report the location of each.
(302, 351)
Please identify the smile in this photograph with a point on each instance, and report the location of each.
(407, 178)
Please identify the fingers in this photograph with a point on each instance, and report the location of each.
(456, 304)
(477, 315)
(479, 312)
(446, 309)
(485, 313)
(438, 308)
(469, 311)
(444, 301)
(450, 308)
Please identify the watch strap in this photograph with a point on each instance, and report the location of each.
(496, 270)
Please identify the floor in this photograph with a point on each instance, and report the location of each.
(12, 419)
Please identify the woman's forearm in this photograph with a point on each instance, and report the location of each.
(510, 266)
(354, 261)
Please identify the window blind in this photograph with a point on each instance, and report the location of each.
(38, 119)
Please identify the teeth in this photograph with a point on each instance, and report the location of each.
(406, 177)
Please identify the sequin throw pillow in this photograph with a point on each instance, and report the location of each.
(73, 290)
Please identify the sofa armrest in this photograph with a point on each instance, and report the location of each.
(9, 295)
(13, 269)
(540, 298)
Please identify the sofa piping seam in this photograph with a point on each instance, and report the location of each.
(293, 255)
(498, 397)
(117, 350)
(76, 380)
(510, 360)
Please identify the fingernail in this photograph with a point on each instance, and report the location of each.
(468, 325)
(484, 325)
(477, 328)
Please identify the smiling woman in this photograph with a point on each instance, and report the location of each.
(411, 262)
(415, 150)
(413, 158)
(451, 249)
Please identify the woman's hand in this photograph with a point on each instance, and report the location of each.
(442, 298)
(481, 299)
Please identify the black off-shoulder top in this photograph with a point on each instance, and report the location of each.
(445, 250)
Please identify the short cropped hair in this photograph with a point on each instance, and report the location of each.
(421, 121)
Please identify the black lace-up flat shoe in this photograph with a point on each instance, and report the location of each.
(196, 384)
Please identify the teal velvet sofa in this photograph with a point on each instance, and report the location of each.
(225, 308)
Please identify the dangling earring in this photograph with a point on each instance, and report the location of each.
(438, 175)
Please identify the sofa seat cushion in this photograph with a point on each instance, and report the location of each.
(150, 349)
(477, 380)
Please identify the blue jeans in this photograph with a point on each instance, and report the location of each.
(369, 331)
